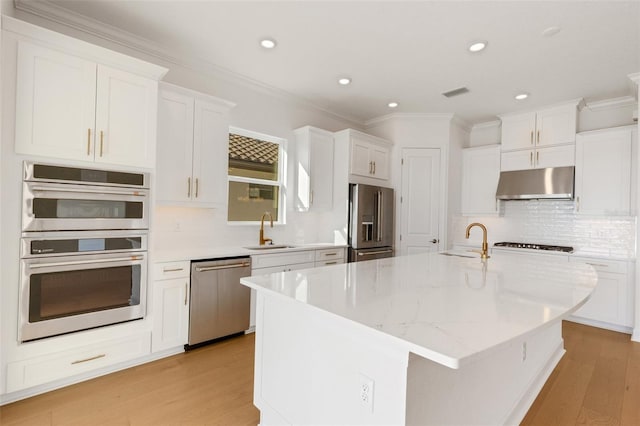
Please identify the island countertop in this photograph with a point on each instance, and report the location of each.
(447, 309)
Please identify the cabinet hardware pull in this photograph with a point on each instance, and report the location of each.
(331, 263)
(598, 264)
(531, 158)
(370, 166)
(172, 269)
(310, 197)
(374, 167)
(185, 293)
(216, 268)
(80, 361)
(335, 253)
(538, 157)
(88, 141)
(189, 187)
(101, 141)
(531, 137)
(538, 138)
(197, 187)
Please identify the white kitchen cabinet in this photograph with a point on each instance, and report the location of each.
(603, 171)
(551, 126)
(193, 133)
(538, 158)
(74, 108)
(70, 362)
(170, 305)
(332, 256)
(314, 169)
(480, 174)
(369, 156)
(612, 303)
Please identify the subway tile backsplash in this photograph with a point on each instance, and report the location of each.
(554, 222)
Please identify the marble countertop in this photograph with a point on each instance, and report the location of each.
(199, 253)
(448, 309)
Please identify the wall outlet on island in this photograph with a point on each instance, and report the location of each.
(365, 391)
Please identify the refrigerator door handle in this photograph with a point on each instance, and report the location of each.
(379, 218)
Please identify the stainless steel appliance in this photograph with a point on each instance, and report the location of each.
(532, 246)
(74, 281)
(57, 198)
(83, 249)
(551, 183)
(370, 222)
(219, 303)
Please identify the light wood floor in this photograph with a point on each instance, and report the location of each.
(596, 382)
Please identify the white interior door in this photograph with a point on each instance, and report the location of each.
(420, 200)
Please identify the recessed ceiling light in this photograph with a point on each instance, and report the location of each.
(344, 81)
(392, 104)
(521, 96)
(268, 43)
(551, 31)
(477, 46)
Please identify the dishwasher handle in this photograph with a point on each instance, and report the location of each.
(217, 268)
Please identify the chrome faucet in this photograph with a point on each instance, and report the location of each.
(485, 246)
(263, 240)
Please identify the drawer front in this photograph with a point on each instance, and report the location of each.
(328, 262)
(47, 368)
(277, 259)
(170, 270)
(330, 254)
(601, 265)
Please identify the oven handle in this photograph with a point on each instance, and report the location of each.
(85, 262)
(88, 191)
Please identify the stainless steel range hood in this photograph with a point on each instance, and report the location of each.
(552, 183)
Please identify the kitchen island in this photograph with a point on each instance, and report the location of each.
(420, 339)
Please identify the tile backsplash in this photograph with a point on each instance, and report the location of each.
(554, 222)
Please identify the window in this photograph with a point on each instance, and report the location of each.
(255, 176)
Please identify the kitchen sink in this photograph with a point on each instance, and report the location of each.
(270, 247)
(458, 253)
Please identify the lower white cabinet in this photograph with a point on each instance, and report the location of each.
(612, 303)
(332, 256)
(170, 305)
(480, 175)
(68, 363)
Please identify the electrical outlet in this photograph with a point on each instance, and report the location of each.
(365, 391)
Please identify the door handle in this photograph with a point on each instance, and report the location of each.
(379, 218)
(435, 241)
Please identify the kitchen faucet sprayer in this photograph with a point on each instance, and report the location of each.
(485, 246)
(263, 240)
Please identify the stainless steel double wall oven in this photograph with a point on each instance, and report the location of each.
(83, 250)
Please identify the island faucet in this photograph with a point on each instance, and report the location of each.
(485, 246)
(263, 240)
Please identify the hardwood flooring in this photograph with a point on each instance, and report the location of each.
(597, 382)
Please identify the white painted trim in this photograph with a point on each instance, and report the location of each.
(600, 324)
(418, 115)
(635, 77)
(486, 125)
(37, 390)
(55, 13)
(606, 104)
(461, 123)
(222, 103)
(579, 103)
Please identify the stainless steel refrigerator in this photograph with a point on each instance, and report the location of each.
(370, 222)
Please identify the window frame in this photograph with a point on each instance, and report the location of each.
(280, 183)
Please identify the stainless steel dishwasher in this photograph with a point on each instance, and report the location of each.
(219, 303)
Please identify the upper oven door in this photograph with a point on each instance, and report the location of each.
(59, 207)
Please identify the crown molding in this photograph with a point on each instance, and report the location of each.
(486, 125)
(58, 14)
(410, 115)
(605, 104)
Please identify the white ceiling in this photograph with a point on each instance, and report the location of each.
(406, 51)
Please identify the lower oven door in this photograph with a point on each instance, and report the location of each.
(71, 293)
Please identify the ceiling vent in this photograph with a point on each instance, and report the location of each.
(456, 92)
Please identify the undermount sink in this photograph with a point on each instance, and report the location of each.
(269, 247)
(459, 253)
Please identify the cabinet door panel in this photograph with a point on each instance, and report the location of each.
(380, 158)
(556, 126)
(360, 161)
(604, 302)
(126, 110)
(557, 156)
(171, 313)
(321, 165)
(518, 131)
(210, 153)
(516, 160)
(480, 174)
(55, 104)
(175, 147)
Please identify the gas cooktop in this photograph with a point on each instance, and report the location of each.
(564, 249)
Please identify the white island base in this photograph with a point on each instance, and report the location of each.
(349, 351)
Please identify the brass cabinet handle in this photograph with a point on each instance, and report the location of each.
(370, 167)
(374, 167)
(538, 157)
(531, 158)
(88, 141)
(531, 137)
(538, 138)
(80, 361)
(333, 253)
(188, 187)
(172, 269)
(311, 197)
(196, 187)
(101, 141)
(185, 293)
(602, 265)
(335, 262)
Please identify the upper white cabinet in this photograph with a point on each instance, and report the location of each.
(79, 109)
(369, 156)
(604, 171)
(314, 168)
(193, 134)
(480, 174)
(539, 139)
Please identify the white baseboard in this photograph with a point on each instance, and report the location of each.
(600, 324)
